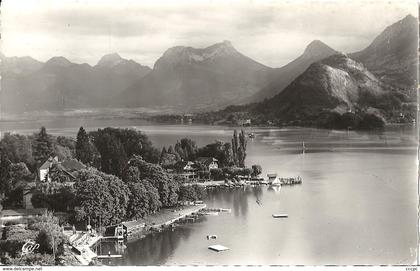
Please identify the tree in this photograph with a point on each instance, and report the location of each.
(144, 200)
(60, 198)
(45, 231)
(235, 146)
(84, 148)
(191, 192)
(371, 121)
(42, 146)
(113, 156)
(187, 193)
(158, 178)
(4, 173)
(168, 160)
(50, 236)
(217, 174)
(18, 148)
(219, 150)
(239, 143)
(256, 170)
(162, 153)
(101, 195)
(63, 153)
(187, 149)
(133, 142)
(13, 180)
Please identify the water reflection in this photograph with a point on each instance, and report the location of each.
(155, 249)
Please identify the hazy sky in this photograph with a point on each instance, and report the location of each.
(271, 32)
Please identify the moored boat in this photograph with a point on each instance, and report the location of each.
(280, 215)
(273, 179)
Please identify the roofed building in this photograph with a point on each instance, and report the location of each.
(44, 169)
(187, 169)
(209, 162)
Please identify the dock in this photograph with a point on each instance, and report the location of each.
(157, 222)
(81, 246)
(215, 210)
(109, 256)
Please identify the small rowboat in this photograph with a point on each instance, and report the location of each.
(280, 215)
(211, 237)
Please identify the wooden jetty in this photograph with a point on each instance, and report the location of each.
(134, 230)
(217, 210)
(109, 256)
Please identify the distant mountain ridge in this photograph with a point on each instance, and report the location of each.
(335, 83)
(280, 78)
(28, 84)
(188, 78)
(216, 76)
(393, 54)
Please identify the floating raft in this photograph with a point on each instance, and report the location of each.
(280, 215)
(218, 248)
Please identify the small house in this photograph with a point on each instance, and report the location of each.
(68, 167)
(244, 122)
(187, 169)
(44, 169)
(209, 162)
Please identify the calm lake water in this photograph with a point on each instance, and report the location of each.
(357, 204)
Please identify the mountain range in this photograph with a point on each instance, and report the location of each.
(282, 77)
(28, 84)
(392, 56)
(336, 82)
(189, 78)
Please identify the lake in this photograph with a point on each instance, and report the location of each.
(357, 203)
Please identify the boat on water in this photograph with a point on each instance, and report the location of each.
(273, 179)
(280, 215)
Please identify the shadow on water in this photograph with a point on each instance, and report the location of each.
(154, 249)
(236, 197)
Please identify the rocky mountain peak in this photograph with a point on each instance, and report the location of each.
(110, 60)
(189, 55)
(318, 48)
(58, 61)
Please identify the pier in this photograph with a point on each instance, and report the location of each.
(81, 246)
(156, 222)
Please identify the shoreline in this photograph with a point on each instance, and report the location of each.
(152, 223)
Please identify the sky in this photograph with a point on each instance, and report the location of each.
(271, 32)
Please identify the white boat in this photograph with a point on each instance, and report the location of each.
(273, 179)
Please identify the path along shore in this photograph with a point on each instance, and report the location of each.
(83, 242)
